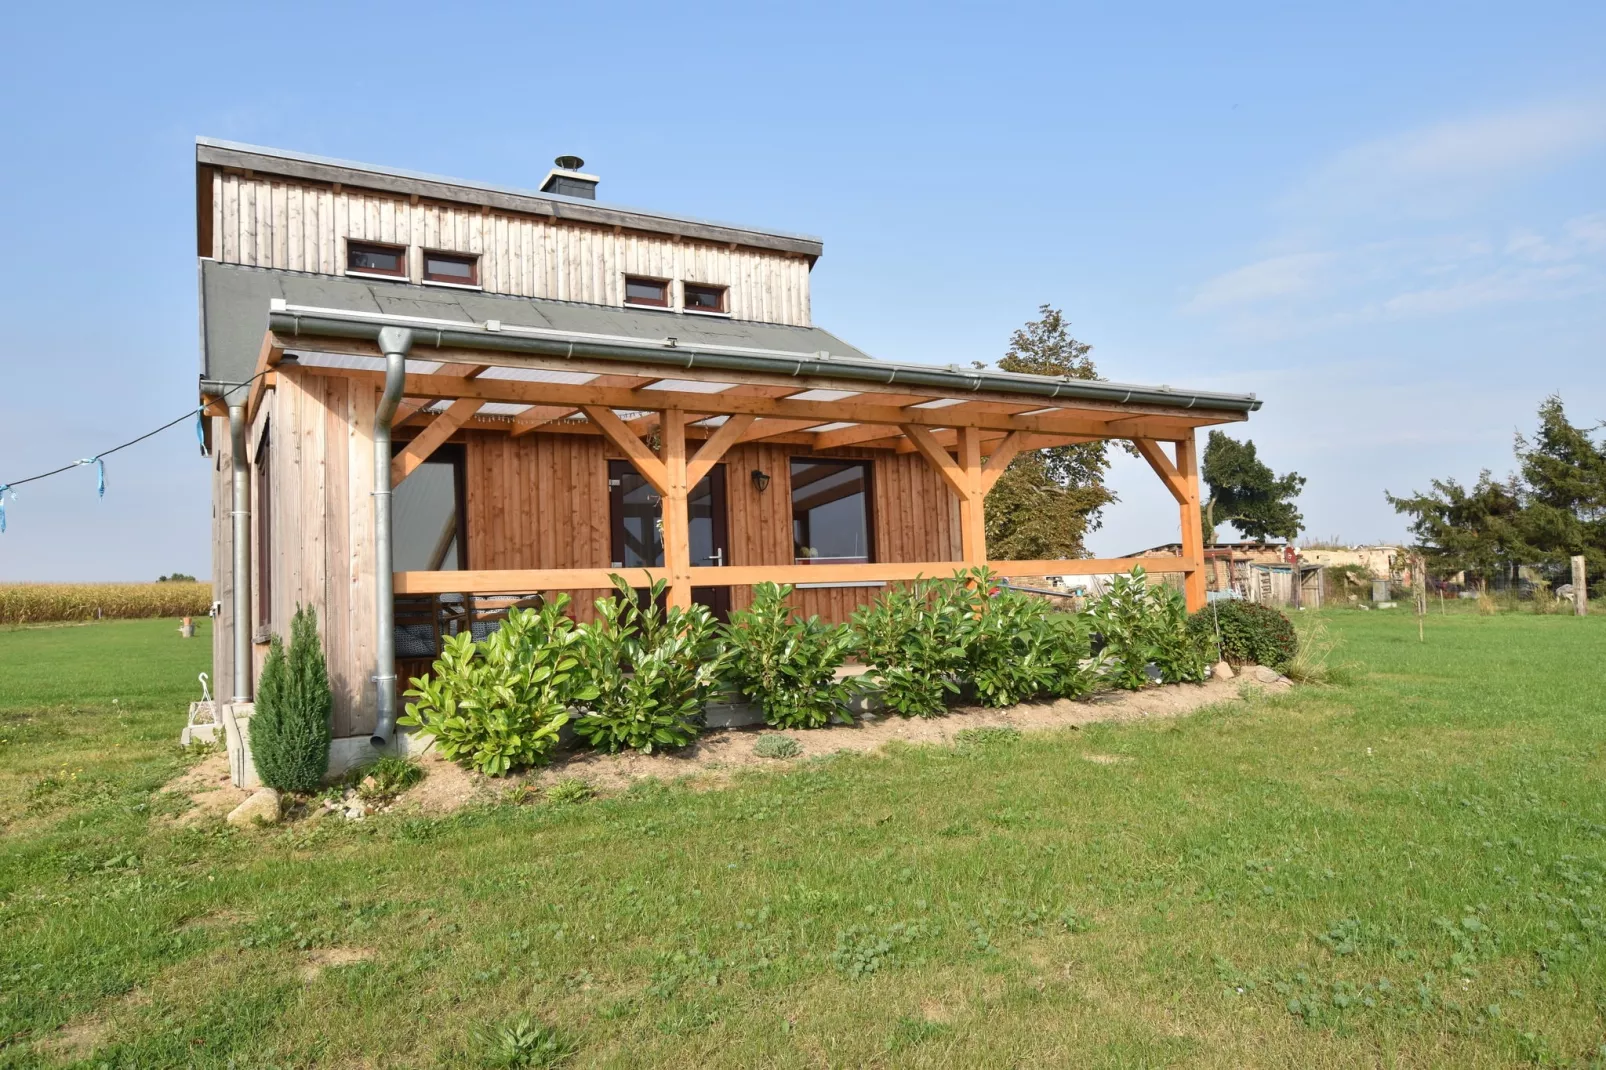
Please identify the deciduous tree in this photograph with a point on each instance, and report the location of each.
(1246, 493)
(1046, 502)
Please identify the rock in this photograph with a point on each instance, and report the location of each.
(261, 808)
(1222, 671)
(1267, 676)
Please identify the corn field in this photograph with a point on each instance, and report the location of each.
(32, 603)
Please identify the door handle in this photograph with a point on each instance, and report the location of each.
(718, 557)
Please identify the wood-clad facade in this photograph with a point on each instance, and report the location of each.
(556, 427)
(517, 486)
(273, 222)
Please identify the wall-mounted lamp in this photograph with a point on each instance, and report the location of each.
(761, 480)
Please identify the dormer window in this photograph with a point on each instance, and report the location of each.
(651, 292)
(367, 258)
(701, 298)
(455, 269)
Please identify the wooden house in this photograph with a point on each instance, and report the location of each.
(433, 398)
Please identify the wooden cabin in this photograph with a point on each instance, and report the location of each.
(432, 399)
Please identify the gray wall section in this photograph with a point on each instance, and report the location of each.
(235, 315)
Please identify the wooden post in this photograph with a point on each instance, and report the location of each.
(677, 522)
(1193, 525)
(1419, 578)
(972, 518)
(1580, 587)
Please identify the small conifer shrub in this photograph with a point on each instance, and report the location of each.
(290, 728)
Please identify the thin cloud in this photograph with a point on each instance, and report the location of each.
(1441, 169)
(1277, 276)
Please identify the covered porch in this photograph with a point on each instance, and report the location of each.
(674, 410)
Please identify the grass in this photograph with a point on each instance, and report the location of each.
(1406, 870)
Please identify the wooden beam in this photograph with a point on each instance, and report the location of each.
(972, 504)
(513, 581)
(868, 393)
(762, 429)
(440, 429)
(998, 460)
(677, 518)
(517, 391)
(937, 454)
(723, 438)
(1193, 582)
(268, 355)
(643, 459)
(1155, 455)
(539, 416)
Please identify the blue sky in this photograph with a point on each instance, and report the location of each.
(1387, 220)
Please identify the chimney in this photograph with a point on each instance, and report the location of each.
(566, 179)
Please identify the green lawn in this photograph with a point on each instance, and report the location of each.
(1406, 871)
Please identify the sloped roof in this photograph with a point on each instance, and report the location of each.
(235, 302)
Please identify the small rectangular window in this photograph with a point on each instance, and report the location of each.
(653, 292)
(831, 512)
(705, 298)
(377, 259)
(452, 267)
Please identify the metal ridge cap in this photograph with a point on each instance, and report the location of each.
(488, 187)
(817, 362)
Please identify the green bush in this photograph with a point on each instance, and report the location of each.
(1016, 647)
(1141, 624)
(774, 745)
(648, 671)
(290, 726)
(570, 790)
(912, 638)
(498, 704)
(387, 777)
(1250, 633)
(785, 664)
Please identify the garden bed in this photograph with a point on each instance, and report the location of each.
(717, 754)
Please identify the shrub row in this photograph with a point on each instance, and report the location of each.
(31, 603)
(638, 677)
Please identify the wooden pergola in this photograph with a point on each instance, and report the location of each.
(674, 419)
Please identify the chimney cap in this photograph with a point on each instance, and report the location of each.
(567, 180)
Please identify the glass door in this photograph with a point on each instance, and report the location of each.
(637, 527)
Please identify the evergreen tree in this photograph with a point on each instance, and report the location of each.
(1476, 530)
(1246, 493)
(1564, 490)
(1552, 509)
(1047, 500)
(290, 728)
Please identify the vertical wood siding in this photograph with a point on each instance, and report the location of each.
(321, 553)
(541, 501)
(261, 221)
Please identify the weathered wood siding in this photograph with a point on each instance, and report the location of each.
(278, 223)
(320, 432)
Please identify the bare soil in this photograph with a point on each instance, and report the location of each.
(206, 784)
(719, 753)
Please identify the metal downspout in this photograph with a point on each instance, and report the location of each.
(394, 342)
(241, 516)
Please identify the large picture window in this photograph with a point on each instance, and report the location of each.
(831, 512)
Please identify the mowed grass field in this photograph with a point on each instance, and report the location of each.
(1404, 871)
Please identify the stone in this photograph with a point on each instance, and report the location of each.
(1222, 671)
(261, 808)
(1267, 676)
